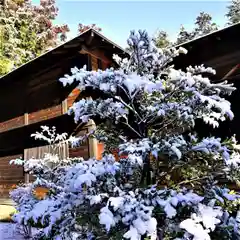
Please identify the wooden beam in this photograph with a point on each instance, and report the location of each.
(231, 72)
(232, 58)
(234, 78)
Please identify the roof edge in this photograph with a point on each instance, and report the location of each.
(47, 52)
(203, 36)
(108, 40)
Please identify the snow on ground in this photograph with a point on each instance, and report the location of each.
(8, 231)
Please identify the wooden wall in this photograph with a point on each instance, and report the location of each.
(12, 124)
(86, 150)
(42, 98)
(35, 101)
(82, 150)
(45, 114)
(99, 61)
(10, 175)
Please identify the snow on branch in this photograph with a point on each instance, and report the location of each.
(165, 182)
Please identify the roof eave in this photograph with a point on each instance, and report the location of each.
(205, 36)
(62, 45)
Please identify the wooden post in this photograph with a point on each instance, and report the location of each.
(26, 175)
(92, 141)
(25, 118)
(64, 106)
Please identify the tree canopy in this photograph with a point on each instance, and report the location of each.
(28, 30)
(204, 24)
(233, 13)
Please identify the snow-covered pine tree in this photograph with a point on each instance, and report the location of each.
(168, 186)
(28, 30)
(233, 13)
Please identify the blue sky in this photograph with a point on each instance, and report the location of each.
(117, 18)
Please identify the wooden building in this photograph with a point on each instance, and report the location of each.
(32, 96)
(221, 51)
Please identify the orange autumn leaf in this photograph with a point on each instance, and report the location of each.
(14, 186)
(40, 192)
(115, 153)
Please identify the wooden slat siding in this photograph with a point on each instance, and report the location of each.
(45, 114)
(10, 175)
(96, 54)
(94, 57)
(39, 152)
(34, 117)
(89, 64)
(44, 79)
(82, 150)
(27, 177)
(12, 124)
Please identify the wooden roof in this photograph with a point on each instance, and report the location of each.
(219, 50)
(90, 38)
(34, 86)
